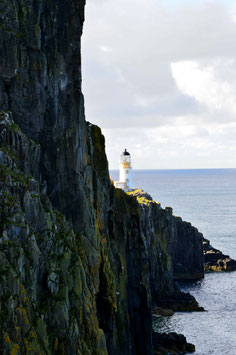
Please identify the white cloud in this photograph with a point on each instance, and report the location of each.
(202, 83)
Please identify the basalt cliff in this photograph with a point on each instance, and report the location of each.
(81, 263)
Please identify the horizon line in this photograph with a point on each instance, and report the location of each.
(148, 169)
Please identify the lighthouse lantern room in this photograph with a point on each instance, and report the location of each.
(125, 179)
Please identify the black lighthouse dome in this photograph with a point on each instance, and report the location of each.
(125, 152)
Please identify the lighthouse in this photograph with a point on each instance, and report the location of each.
(125, 179)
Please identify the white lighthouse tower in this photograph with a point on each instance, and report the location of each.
(125, 180)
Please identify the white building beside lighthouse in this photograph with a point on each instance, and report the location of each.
(125, 180)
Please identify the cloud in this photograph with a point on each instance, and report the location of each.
(216, 91)
(167, 68)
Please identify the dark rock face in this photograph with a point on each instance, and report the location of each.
(40, 82)
(180, 302)
(171, 343)
(187, 251)
(81, 262)
(181, 241)
(46, 301)
(215, 260)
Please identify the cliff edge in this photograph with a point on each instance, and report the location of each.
(82, 263)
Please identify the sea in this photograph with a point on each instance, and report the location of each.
(207, 199)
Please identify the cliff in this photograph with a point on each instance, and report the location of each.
(82, 263)
(181, 241)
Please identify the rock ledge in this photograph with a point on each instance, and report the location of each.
(215, 260)
(171, 343)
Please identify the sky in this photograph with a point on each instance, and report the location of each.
(159, 78)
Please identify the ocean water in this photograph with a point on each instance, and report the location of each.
(207, 199)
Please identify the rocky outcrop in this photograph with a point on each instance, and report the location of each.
(184, 241)
(168, 239)
(162, 312)
(215, 260)
(81, 262)
(180, 302)
(187, 252)
(171, 343)
(141, 195)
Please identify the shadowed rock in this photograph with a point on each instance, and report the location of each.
(171, 343)
(185, 240)
(180, 302)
